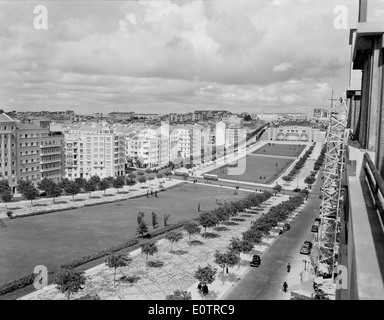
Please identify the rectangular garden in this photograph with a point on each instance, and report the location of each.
(276, 149)
(258, 169)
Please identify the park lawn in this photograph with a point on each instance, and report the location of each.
(258, 169)
(275, 149)
(56, 238)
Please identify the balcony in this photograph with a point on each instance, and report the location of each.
(50, 169)
(43, 161)
(50, 153)
(362, 236)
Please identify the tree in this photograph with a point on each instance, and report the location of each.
(81, 182)
(140, 173)
(287, 178)
(206, 275)
(277, 188)
(5, 191)
(207, 220)
(179, 295)
(96, 179)
(148, 170)
(142, 229)
(140, 217)
(159, 176)
(132, 176)
(246, 246)
(72, 188)
(309, 180)
(103, 185)
(70, 281)
(227, 259)
(90, 186)
(155, 221)
(30, 192)
(117, 261)
(23, 185)
(166, 217)
(235, 245)
(247, 118)
(167, 173)
(174, 237)
(6, 196)
(191, 228)
(118, 183)
(54, 192)
(45, 184)
(130, 182)
(149, 249)
(141, 180)
(171, 164)
(64, 182)
(151, 178)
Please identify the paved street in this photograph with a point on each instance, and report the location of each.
(265, 282)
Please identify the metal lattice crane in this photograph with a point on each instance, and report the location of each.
(333, 171)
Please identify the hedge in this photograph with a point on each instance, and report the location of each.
(17, 284)
(78, 262)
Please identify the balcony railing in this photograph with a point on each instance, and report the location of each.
(375, 183)
(362, 249)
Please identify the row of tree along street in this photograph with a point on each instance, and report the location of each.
(50, 189)
(299, 164)
(218, 219)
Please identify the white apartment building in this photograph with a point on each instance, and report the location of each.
(94, 150)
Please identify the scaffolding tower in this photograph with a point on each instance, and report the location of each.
(333, 171)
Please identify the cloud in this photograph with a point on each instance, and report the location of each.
(164, 55)
(283, 67)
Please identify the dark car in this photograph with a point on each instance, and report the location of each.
(256, 260)
(305, 249)
(286, 227)
(314, 228)
(309, 243)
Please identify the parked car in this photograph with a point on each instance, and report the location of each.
(314, 228)
(286, 227)
(256, 260)
(305, 249)
(309, 243)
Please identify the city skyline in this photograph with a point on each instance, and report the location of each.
(173, 56)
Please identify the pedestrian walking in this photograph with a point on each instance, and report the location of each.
(285, 286)
(147, 193)
(226, 269)
(151, 192)
(288, 267)
(156, 194)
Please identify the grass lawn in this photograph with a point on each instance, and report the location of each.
(60, 237)
(258, 169)
(275, 149)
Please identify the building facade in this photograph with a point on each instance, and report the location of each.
(94, 150)
(293, 133)
(8, 155)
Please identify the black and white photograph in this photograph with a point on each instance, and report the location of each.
(211, 151)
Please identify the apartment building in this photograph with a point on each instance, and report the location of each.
(28, 140)
(8, 168)
(94, 150)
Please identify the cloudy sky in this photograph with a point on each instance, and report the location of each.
(173, 55)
